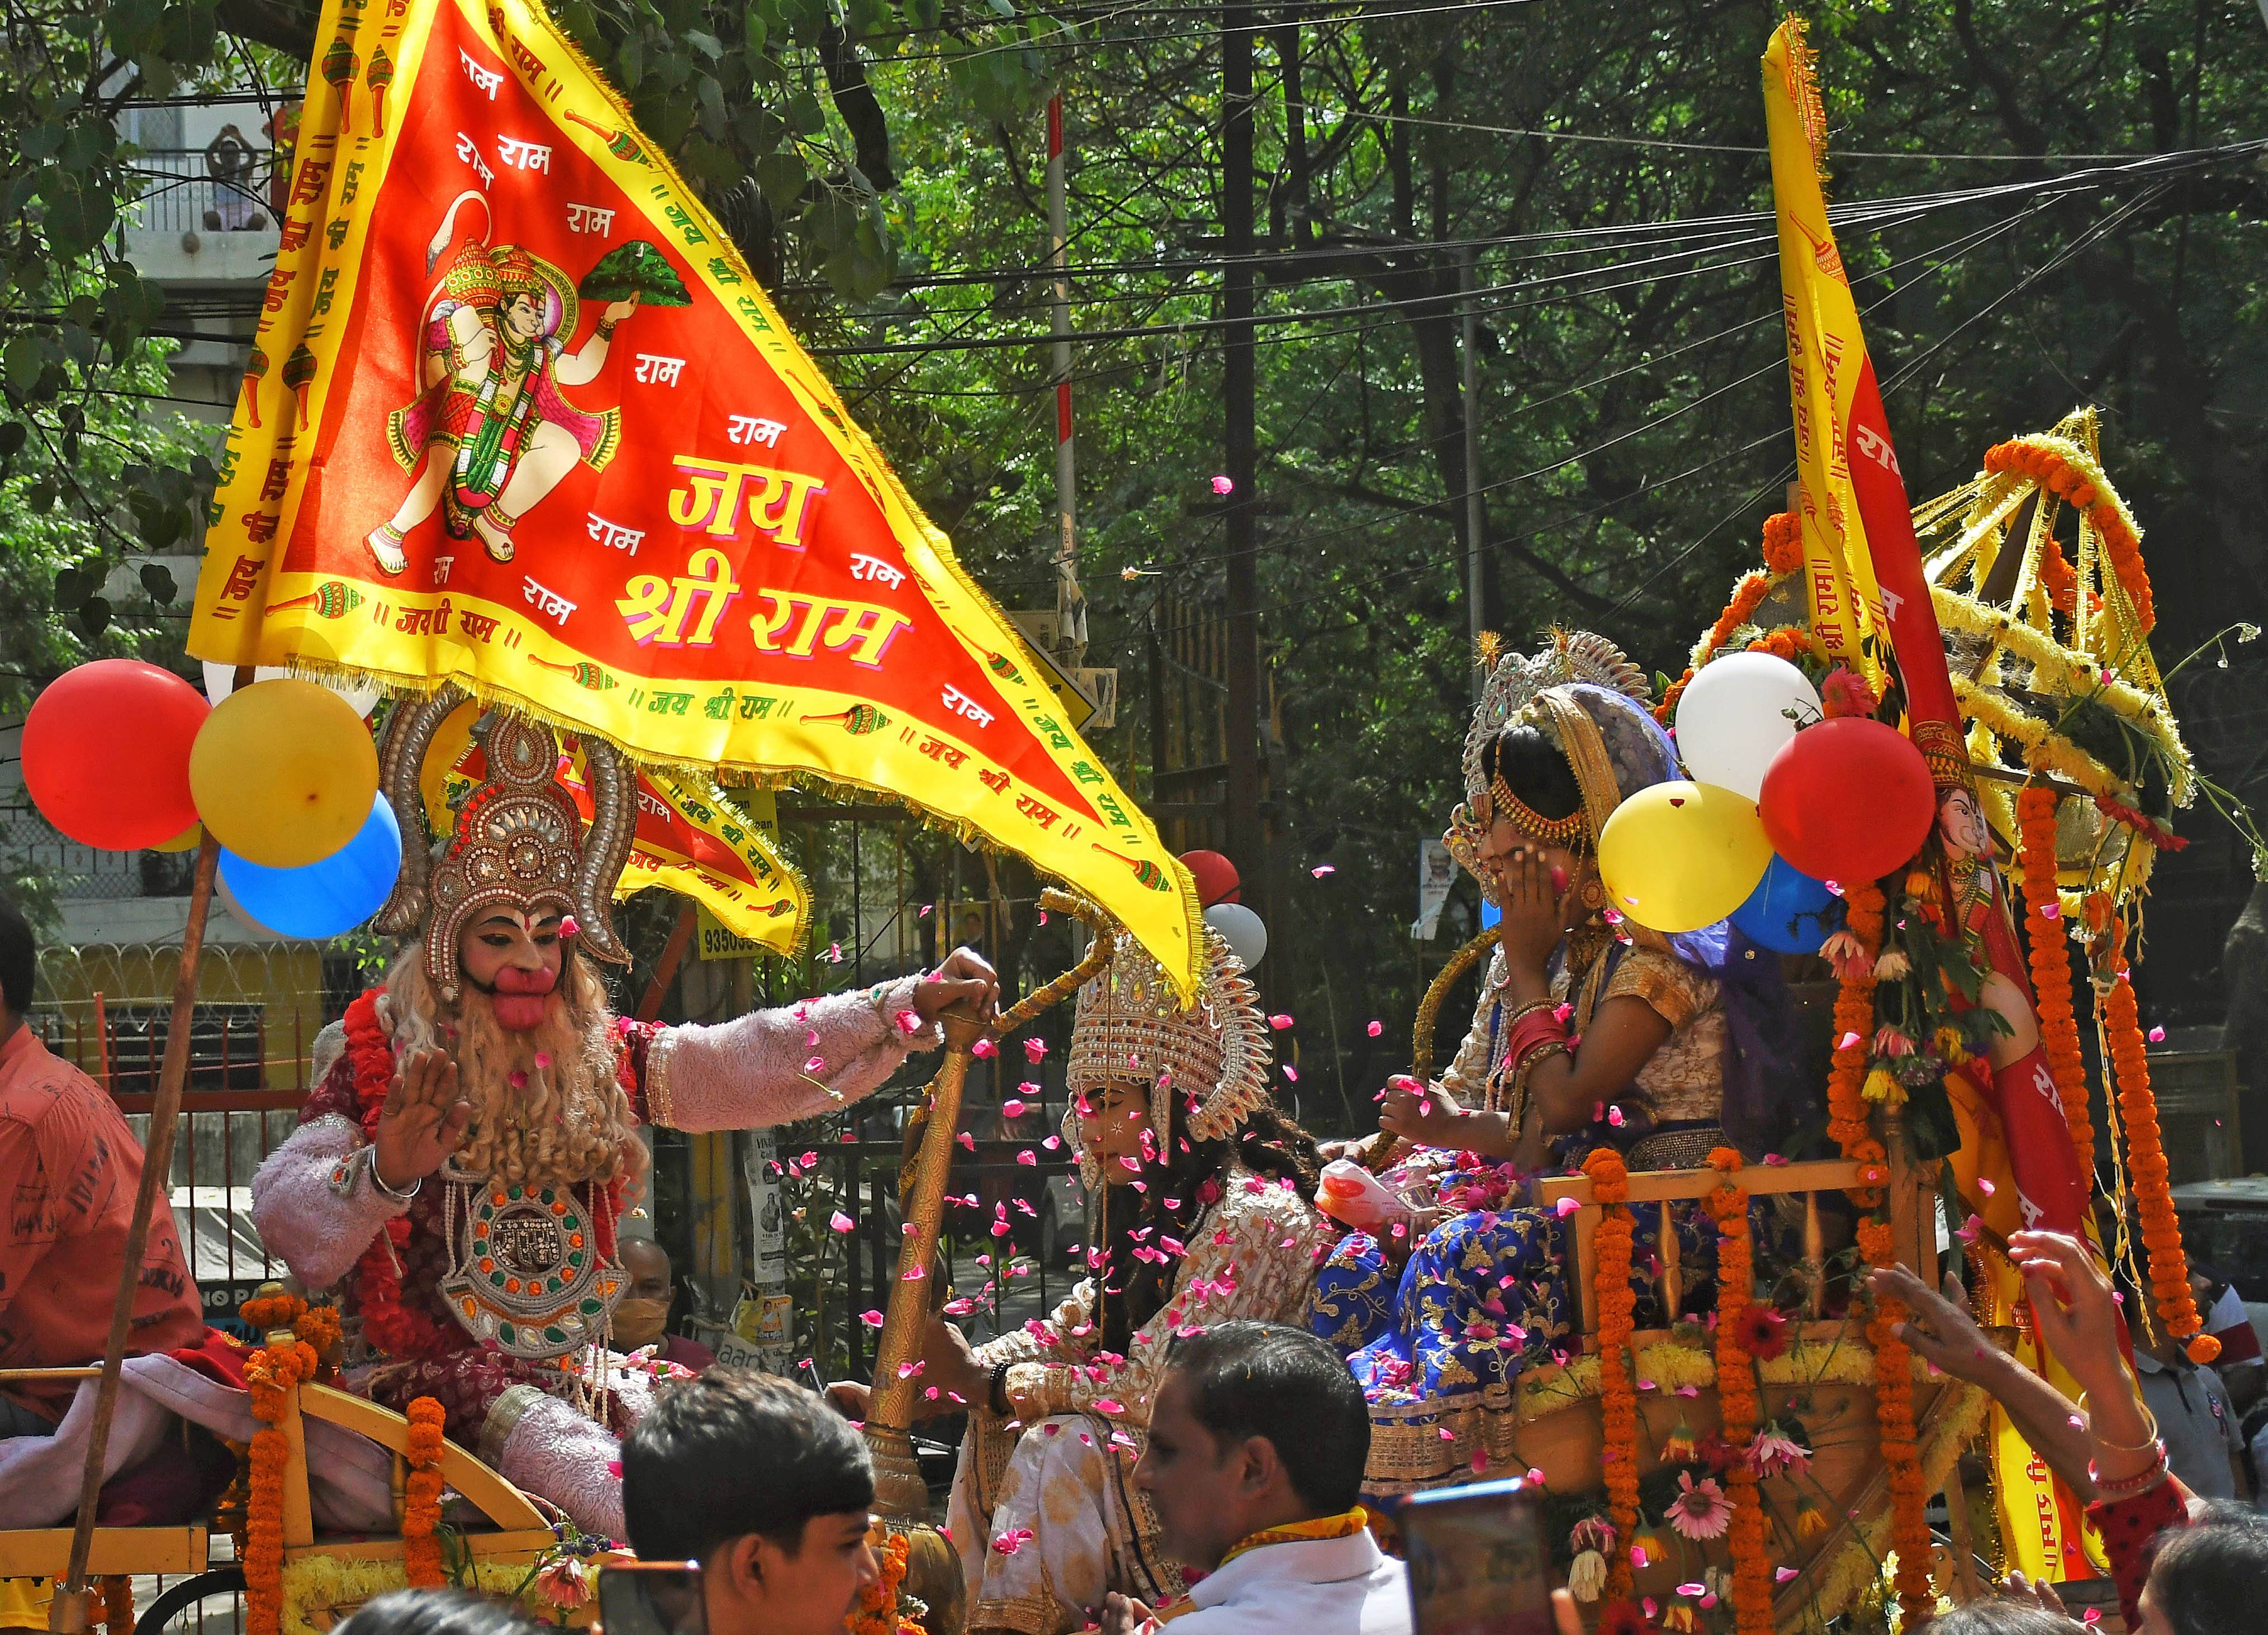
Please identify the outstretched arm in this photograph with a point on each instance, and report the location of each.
(772, 1067)
(581, 367)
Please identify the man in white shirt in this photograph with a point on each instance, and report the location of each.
(1258, 1438)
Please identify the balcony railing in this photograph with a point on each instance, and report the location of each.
(188, 190)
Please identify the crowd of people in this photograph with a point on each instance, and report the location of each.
(1209, 1430)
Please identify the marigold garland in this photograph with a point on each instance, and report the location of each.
(269, 1375)
(1617, 1306)
(1736, 1396)
(421, 1508)
(1894, 1418)
(1847, 1122)
(2068, 472)
(2035, 817)
(877, 1611)
(1783, 554)
(2145, 1153)
(117, 1593)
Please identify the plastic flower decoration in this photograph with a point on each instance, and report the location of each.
(1776, 1453)
(1700, 1509)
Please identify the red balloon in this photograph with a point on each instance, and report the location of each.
(1217, 879)
(1848, 800)
(106, 754)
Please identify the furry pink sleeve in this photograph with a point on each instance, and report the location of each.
(315, 1206)
(772, 1067)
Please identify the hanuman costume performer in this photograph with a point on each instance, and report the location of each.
(1585, 1028)
(464, 1168)
(1203, 1186)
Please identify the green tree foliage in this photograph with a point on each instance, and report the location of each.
(881, 166)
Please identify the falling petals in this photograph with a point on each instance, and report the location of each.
(817, 1063)
(910, 1023)
(1034, 1048)
(1027, 1157)
(1224, 485)
(871, 1319)
(840, 1222)
(1011, 1108)
(1279, 1021)
(984, 1049)
(2157, 1035)
(1322, 870)
(1565, 1207)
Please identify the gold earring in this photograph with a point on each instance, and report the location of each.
(1594, 894)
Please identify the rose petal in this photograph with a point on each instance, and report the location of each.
(1375, 1029)
(1781, 1575)
(842, 1222)
(983, 1049)
(1565, 1207)
(871, 1319)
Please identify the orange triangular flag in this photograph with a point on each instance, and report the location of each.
(537, 429)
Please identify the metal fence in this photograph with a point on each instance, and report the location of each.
(194, 190)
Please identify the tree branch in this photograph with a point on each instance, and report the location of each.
(855, 100)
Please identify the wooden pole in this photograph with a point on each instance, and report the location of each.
(898, 1490)
(68, 1613)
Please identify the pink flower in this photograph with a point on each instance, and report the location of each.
(1773, 1454)
(1034, 1048)
(1224, 485)
(1890, 1043)
(1700, 1509)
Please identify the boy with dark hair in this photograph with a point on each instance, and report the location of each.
(70, 1168)
(765, 1486)
(1258, 1442)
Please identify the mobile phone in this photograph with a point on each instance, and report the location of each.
(1477, 1561)
(652, 1598)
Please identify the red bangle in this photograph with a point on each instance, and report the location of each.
(2126, 1487)
(1530, 1034)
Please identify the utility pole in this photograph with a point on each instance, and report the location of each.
(1475, 506)
(1071, 601)
(1246, 840)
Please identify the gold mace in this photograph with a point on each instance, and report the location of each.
(1384, 1147)
(901, 1496)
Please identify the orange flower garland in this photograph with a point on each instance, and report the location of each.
(421, 1508)
(1610, 1247)
(2035, 818)
(1894, 1418)
(877, 1611)
(2161, 1227)
(1783, 553)
(117, 1593)
(1847, 1122)
(2059, 477)
(270, 1373)
(1736, 1396)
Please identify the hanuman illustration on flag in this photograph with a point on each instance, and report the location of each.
(489, 434)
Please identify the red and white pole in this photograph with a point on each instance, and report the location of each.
(1070, 602)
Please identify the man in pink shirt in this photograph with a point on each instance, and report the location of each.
(69, 1170)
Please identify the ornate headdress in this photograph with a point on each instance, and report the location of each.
(1131, 1025)
(1514, 685)
(519, 839)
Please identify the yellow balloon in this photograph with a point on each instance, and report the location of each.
(283, 773)
(451, 739)
(186, 841)
(1676, 857)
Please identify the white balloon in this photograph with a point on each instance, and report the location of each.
(1245, 931)
(220, 681)
(1737, 713)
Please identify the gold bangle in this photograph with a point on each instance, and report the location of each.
(606, 328)
(2143, 1446)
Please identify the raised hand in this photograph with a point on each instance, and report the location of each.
(421, 1120)
(1532, 927)
(965, 975)
(1938, 1325)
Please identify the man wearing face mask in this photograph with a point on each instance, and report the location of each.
(463, 1169)
(642, 1318)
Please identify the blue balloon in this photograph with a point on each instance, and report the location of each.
(325, 898)
(1789, 912)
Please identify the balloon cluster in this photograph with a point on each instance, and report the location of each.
(1220, 890)
(121, 756)
(1781, 808)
